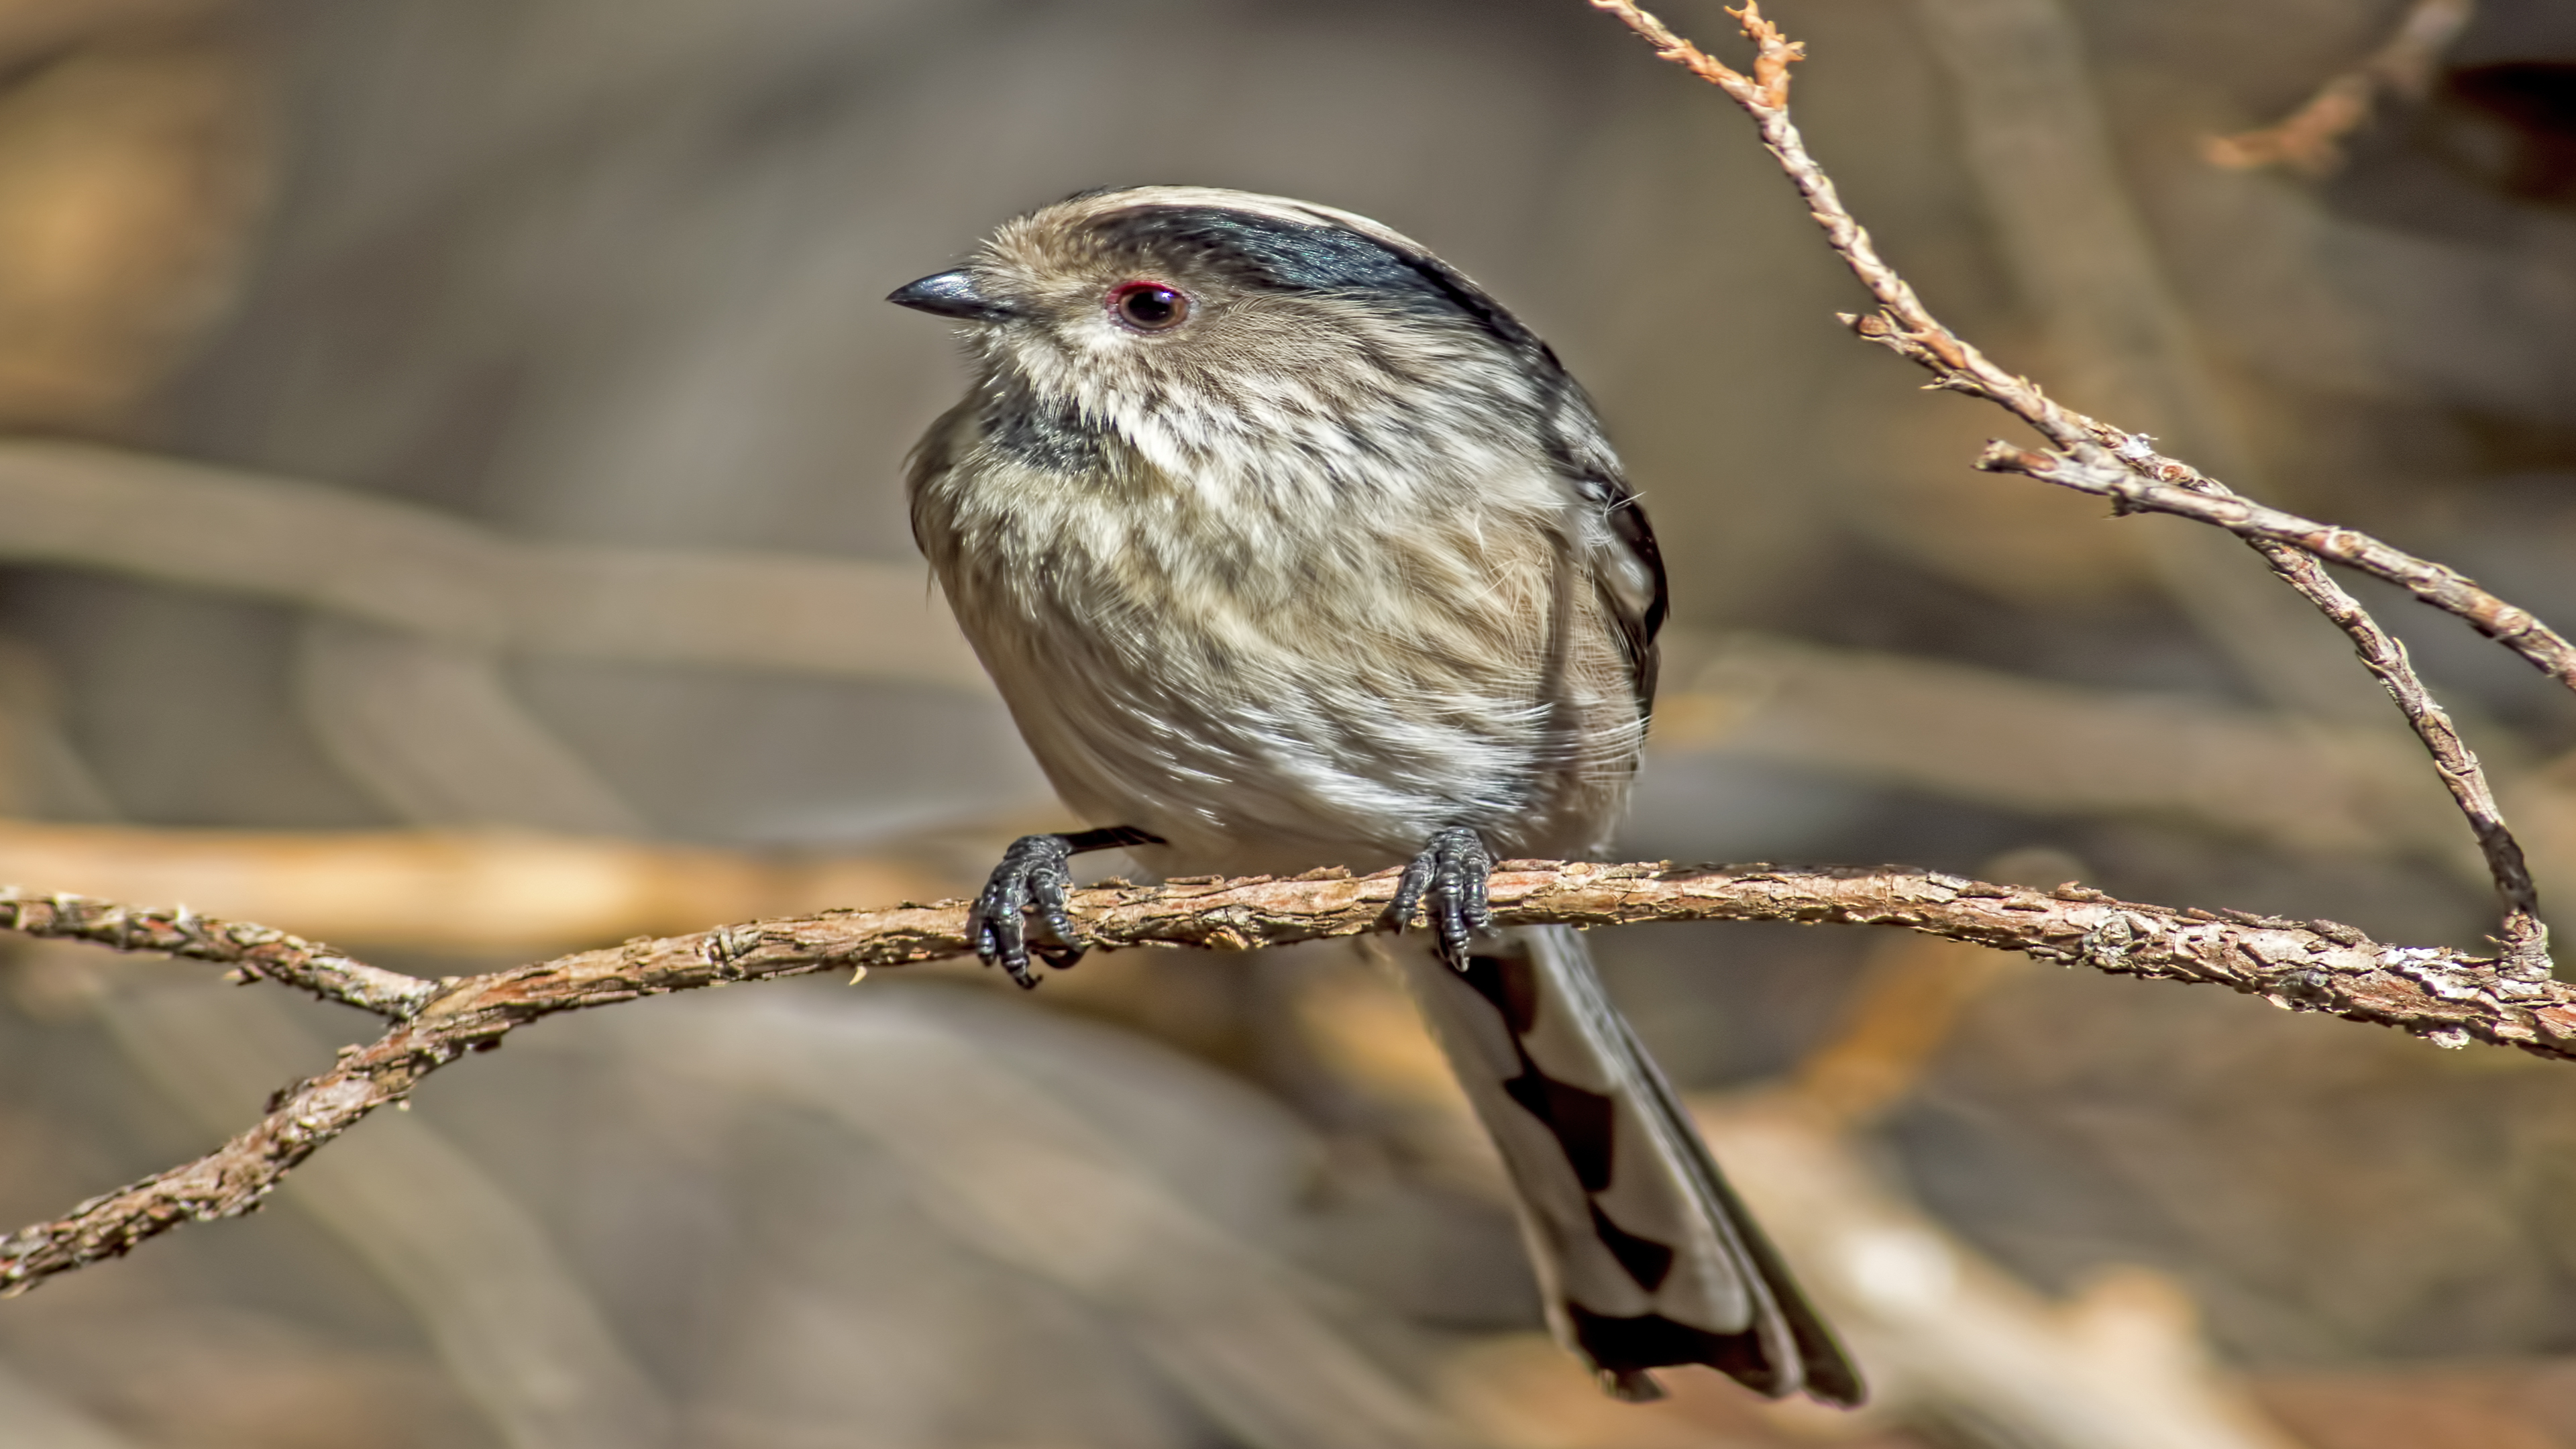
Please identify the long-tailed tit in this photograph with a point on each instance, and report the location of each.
(1288, 547)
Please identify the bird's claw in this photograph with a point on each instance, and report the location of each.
(1446, 882)
(1033, 875)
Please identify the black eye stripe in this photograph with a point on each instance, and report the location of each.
(1275, 254)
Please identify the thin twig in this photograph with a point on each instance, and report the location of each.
(252, 951)
(2094, 457)
(2310, 139)
(2446, 996)
(1908, 328)
(2524, 938)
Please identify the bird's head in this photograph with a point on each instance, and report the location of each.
(1195, 315)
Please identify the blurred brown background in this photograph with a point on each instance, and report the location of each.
(450, 506)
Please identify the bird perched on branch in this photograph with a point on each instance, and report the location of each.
(1288, 547)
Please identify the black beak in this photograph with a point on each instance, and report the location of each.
(949, 294)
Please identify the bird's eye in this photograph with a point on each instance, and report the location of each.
(1148, 306)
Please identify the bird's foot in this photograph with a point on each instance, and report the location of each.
(1446, 882)
(1033, 875)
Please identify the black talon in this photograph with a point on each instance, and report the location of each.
(1035, 875)
(1032, 873)
(1450, 872)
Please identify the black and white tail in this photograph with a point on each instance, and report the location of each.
(1645, 1255)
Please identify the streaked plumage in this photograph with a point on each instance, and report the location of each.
(1287, 546)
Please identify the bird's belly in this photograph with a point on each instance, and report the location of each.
(1279, 749)
(1281, 677)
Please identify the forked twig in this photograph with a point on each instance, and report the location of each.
(2093, 457)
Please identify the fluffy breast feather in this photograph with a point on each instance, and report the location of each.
(1305, 663)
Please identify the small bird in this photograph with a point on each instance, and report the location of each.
(1287, 547)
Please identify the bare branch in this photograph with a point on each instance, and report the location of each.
(2310, 139)
(2092, 456)
(1908, 328)
(2446, 996)
(1767, 89)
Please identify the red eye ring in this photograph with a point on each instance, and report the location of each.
(1149, 306)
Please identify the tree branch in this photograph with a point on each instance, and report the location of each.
(2446, 996)
(2094, 457)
